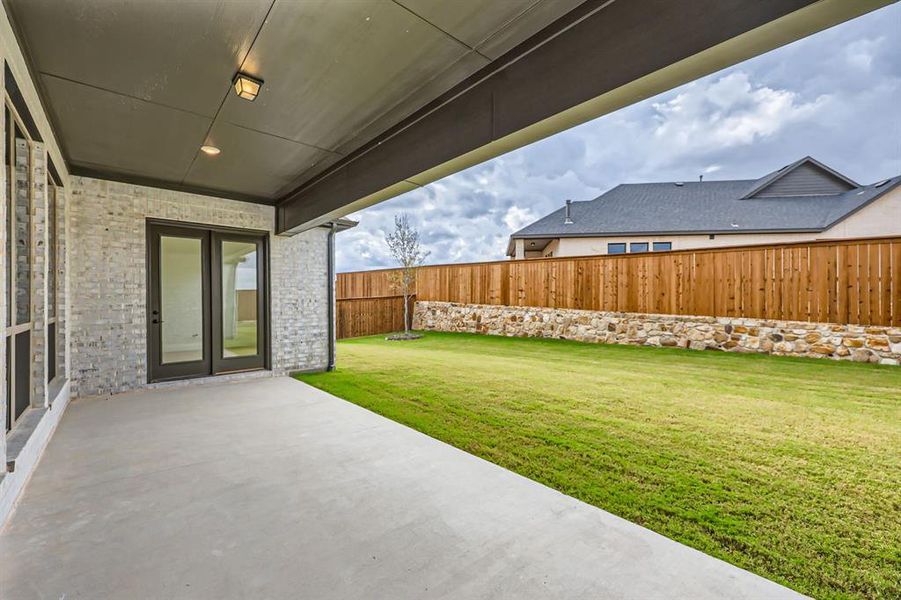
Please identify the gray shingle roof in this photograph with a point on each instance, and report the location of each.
(695, 207)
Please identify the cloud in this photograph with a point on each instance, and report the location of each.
(517, 218)
(861, 53)
(833, 95)
(718, 114)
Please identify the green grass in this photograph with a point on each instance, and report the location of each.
(245, 341)
(786, 467)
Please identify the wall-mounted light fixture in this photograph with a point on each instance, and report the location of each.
(247, 87)
(211, 150)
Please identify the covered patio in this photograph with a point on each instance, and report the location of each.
(173, 181)
(273, 489)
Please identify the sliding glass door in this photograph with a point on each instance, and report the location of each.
(207, 301)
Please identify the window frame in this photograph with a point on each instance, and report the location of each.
(11, 328)
(55, 306)
(669, 246)
(632, 249)
(611, 245)
(11, 323)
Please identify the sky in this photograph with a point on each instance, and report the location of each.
(835, 96)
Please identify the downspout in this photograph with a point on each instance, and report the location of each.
(331, 296)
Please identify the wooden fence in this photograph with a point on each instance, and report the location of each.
(246, 301)
(356, 317)
(840, 281)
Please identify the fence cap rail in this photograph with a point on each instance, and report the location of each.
(388, 297)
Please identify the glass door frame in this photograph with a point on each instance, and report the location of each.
(221, 363)
(157, 370)
(213, 362)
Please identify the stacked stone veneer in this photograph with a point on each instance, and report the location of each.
(108, 291)
(788, 338)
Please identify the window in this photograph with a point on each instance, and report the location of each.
(616, 248)
(22, 231)
(19, 267)
(10, 232)
(662, 246)
(56, 342)
(638, 247)
(51, 251)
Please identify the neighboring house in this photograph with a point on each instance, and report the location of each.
(805, 200)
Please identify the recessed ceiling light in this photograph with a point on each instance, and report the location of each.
(211, 150)
(247, 87)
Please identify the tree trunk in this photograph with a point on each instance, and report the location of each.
(406, 313)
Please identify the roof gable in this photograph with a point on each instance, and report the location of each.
(806, 177)
(708, 207)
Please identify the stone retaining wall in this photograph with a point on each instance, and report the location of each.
(787, 338)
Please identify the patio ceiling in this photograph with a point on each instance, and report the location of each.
(135, 88)
(363, 99)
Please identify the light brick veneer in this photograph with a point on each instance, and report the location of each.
(108, 281)
(788, 338)
(39, 232)
(4, 185)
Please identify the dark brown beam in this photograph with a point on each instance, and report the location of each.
(600, 57)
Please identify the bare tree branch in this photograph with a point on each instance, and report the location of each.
(403, 243)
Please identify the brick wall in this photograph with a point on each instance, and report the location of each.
(39, 232)
(108, 341)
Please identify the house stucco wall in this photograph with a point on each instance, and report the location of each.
(882, 217)
(598, 245)
(108, 283)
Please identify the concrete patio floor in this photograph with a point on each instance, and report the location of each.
(273, 489)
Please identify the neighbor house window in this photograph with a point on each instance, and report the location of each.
(662, 246)
(638, 247)
(616, 248)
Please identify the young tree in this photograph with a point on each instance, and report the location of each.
(403, 243)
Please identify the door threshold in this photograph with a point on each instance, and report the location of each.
(221, 378)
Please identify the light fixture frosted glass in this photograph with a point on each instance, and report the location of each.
(247, 87)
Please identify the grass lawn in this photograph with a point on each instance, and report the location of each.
(245, 341)
(787, 467)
